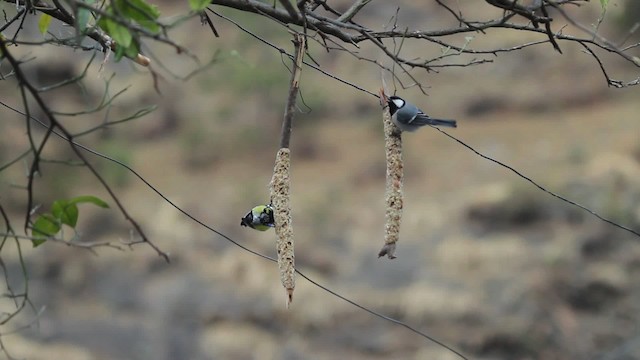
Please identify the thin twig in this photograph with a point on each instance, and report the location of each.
(353, 10)
(290, 9)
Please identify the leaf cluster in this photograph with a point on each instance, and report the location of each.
(63, 212)
(120, 16)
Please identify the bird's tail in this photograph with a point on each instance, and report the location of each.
(443, 122)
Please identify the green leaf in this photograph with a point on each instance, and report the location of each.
(62, 212)
(83, 16)
(199, 5)
(119, 53)
(89, 199)
(604, 3)
(82, 19)
(43, 23)
(119, 33)
(38, 241)
(65, 212)
(133, 50)
(45, 226)
(139, 11)
(102, 23)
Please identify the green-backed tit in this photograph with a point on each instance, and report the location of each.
(259, 218)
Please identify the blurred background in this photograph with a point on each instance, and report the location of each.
(486, 263)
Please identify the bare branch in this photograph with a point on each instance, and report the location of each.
(290, 9)
(13, 19)
(353, 10)
(547, 27)
(283, 16)
(78, 244)
(294, 87)
(528, 12)
(204, 18)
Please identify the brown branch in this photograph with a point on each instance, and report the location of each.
(524, 11)
(354, 34)
(547, 28)
(342, 29)
(260, 8)
(294, 87)
(431, 35)
(95, 33)
(610, 82)
(204, 19)
(12, 20)
(280, 182)
(400, 61)
(457, 16)
(290, 9)
(89, 246)
(24, 295)
(353, 10)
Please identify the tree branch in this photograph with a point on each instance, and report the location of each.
(294, 87)
(353, 10)
(290, 9)
(283, 16)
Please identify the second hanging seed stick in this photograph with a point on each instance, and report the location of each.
(395, 171)
(280, 182)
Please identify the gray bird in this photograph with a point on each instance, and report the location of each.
(409, 117)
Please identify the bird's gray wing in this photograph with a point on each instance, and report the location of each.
(420, 119)
(414, 109)
(423, 119)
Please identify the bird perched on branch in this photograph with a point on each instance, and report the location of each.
(259, 218)
(409, 117)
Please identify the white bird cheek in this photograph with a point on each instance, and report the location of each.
(398, 102)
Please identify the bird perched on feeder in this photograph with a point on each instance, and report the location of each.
(259, 218)
(409, 117)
